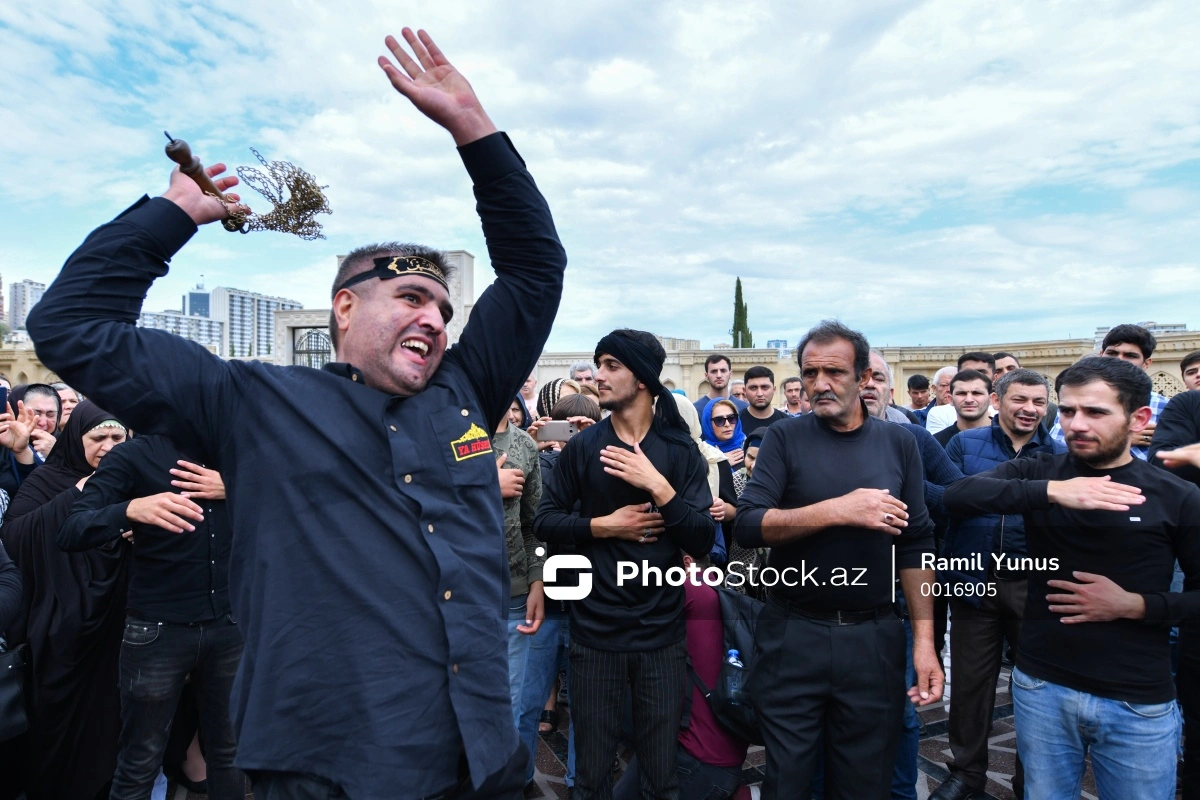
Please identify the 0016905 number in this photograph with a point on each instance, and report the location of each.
(958, 590)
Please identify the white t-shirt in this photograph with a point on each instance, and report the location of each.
(941, 417)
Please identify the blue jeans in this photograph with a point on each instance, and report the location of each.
(156, 658)
(518, 654)
(546, 656)
(1134, 746)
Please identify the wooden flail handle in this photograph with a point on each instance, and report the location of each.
(179, 152)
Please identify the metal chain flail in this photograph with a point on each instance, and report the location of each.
(296, 214)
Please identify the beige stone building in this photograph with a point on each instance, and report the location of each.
(685, 368)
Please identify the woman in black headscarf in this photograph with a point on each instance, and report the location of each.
(47, 407)
(73, 617)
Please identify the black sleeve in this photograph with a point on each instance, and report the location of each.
(917, 538)
(1171, 608)
(1178, 426)
(764, 491)
(511, 320)
(10, 591)
(556, 521)
(1007, 489)
(99, 515)
(686, 516)
(726, 491)
(85, 329)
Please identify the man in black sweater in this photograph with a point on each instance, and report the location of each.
(837, 494)
(628, 493)
(1104, 530)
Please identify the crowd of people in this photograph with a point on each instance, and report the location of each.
(232, 569)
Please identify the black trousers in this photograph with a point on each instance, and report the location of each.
(507, 784)
(976, 644)
(1187, 682)
(599, 682)
(813, 677)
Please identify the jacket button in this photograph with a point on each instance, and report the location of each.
(408, 478)
(454, 669)
(393, 427)
(465, 412)
(431, 527)
(447, 594)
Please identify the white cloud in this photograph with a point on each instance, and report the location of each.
(921, 169)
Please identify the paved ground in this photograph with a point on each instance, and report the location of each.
(934, 753)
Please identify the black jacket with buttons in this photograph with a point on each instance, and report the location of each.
(368, 573)
(177, 577)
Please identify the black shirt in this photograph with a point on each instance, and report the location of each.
(803, 461)
(177, 577)
(1124, 659)
(631, 617)
(368, 570)
(1178, 426)
(752, 423)
(946, 434)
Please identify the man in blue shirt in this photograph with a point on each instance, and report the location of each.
(367, 571)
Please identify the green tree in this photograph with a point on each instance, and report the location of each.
(742, 337)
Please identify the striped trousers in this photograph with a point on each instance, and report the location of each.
(600, 681)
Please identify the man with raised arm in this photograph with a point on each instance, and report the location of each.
(367, 568)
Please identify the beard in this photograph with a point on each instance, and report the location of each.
(1107, 450)
(616, 401)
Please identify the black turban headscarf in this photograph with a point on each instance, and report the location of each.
(646, 365)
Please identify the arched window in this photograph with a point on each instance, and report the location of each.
(313, 350)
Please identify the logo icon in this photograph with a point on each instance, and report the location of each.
(566, 561)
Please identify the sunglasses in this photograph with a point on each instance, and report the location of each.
(723, 421)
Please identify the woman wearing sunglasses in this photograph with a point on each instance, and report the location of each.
(722, 428)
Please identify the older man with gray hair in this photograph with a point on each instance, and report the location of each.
(877, 393)
(583, 372)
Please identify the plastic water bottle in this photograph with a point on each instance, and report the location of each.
(735, 678)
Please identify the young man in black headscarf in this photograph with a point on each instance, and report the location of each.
(642, 493)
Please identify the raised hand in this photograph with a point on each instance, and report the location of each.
(1092, 494)
(1181, 457)
(435, 87)
(202, 208)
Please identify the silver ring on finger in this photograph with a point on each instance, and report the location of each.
(641, 539)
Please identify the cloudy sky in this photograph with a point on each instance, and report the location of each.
(931, 172)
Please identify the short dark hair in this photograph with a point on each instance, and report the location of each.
(918, 382)
(1188, 360)
(978, 355)
(361, 259)
(1002, 354)
(1130, 334)
(968, 375)
(1132, 384)
(1025, 377)
(831, 330)
(758, 371)
(576, 405)
(791, 380)
(716, 357)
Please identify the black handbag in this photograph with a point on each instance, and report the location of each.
(14, 670)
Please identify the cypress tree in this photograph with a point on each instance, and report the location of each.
(742, 337)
